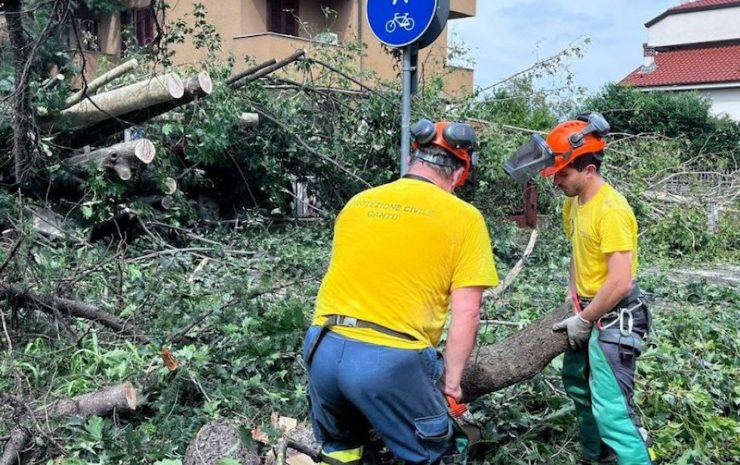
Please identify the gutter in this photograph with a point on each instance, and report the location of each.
(720, 85)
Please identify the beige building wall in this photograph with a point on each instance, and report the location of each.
(243, 27)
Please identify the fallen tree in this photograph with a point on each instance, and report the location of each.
(118, 398)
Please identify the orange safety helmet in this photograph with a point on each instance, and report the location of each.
(456, 138)
(568, 142)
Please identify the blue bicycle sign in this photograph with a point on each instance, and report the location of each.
(398, 23)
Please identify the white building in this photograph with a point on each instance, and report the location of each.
(694, 46)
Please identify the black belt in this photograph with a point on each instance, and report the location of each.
(628, 301)
(351, 322)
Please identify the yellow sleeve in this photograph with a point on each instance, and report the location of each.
(617, 232)
(475, 265)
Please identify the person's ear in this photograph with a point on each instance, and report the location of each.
(457, 176)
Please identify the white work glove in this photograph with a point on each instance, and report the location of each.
(577, 329)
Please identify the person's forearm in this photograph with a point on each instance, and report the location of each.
(613, 290)
(460, 343)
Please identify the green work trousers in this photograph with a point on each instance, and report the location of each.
(600, 381)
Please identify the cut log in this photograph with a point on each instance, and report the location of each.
(121, 397)
(169, 186)
(97, 83)
(249, 120)
(118, 398)
(52, 304)
(52, 82)
(118, 157)
(118, 102)
(197, 87)
(216, 441)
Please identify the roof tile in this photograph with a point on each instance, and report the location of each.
(690, 66)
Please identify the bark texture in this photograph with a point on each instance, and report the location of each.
(97, 83)
(517, 358)
(21, 101)
(194, 87)
(118, 102)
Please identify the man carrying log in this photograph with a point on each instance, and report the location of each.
(605, 333)
(402, 253)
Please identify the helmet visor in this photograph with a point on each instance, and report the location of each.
(530, 159)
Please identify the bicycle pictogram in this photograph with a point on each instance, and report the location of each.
(400, 20)
(404, 1)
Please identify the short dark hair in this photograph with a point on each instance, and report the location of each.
(580, 163)
(436, 151)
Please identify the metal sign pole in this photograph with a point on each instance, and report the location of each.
(406, 110)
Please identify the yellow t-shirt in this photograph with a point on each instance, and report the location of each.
(605, 224)
(398, 251)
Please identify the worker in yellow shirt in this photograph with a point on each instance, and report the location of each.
(403, 254)
(605, 335)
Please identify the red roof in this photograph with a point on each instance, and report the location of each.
(703, 3)
(705, 65)
(698, 5)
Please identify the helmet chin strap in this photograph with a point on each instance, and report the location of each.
(438, 160)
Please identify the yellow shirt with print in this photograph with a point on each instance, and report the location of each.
(398, 251)
(603, 225)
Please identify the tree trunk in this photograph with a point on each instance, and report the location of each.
(118, 157)
(21, 102)
(121, 398)
(97, 83)
(517, 358)
(118, 102)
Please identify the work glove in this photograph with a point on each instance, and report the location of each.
(577, 329)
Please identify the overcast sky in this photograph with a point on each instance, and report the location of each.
(507, 36)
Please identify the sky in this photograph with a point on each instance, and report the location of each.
(507, 36)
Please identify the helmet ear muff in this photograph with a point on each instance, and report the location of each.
(423, 132)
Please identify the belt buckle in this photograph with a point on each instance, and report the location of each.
(348, 321)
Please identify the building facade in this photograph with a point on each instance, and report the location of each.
(694, 46)
(265, 29)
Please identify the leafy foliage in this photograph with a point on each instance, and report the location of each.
(246, 278)
(683, 115)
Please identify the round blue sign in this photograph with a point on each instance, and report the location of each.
(398, 23)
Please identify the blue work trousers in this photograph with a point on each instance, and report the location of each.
(355, 386)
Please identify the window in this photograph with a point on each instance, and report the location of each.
(141, 23)
(282, 16)
(88, 30)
